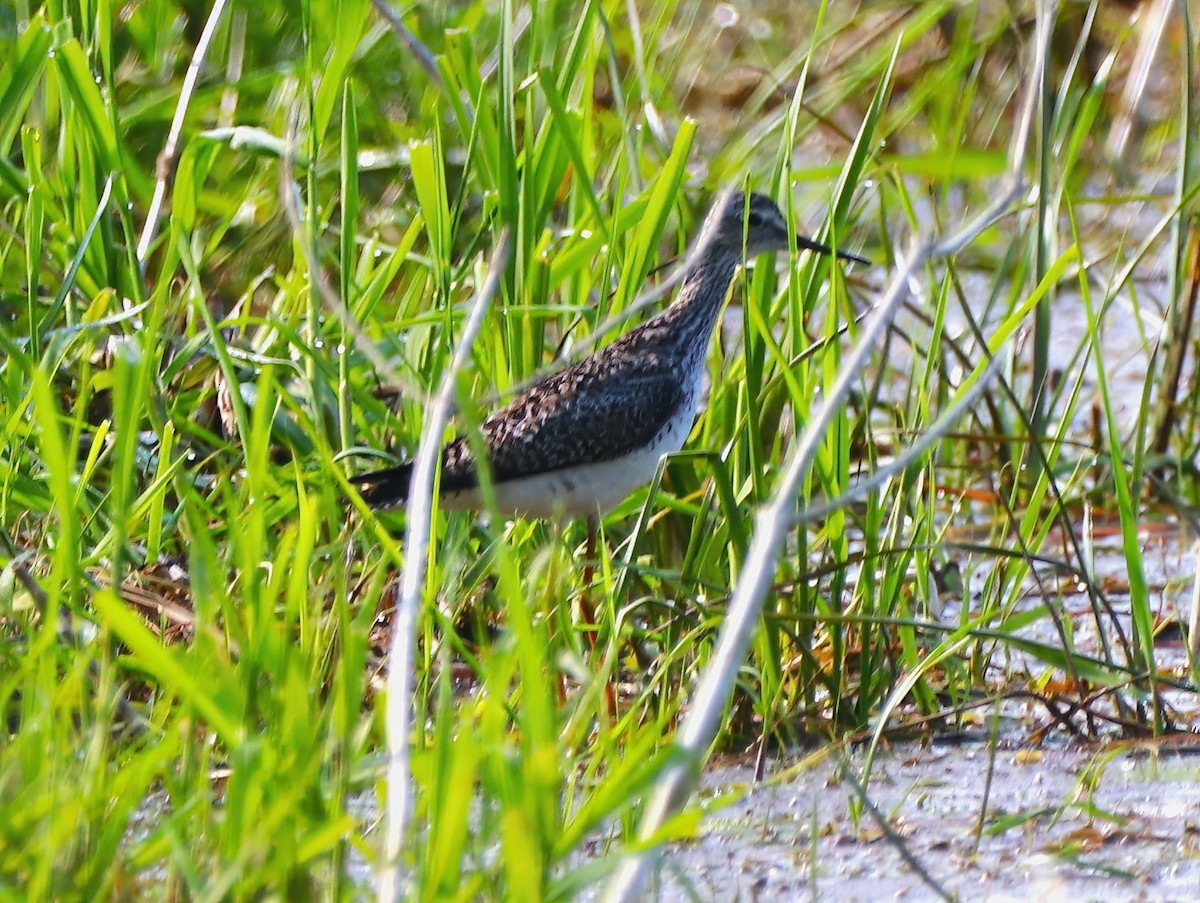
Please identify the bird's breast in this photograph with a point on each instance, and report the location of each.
(585, 489)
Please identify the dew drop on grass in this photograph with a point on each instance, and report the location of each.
(726, 15)
(760, 29)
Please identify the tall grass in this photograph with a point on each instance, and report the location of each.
(194, 604)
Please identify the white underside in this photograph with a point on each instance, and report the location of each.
(585, 490)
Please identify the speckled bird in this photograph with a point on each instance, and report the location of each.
(579, 441)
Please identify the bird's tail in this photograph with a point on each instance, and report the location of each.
(382, 489)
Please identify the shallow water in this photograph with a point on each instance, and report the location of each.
(1092, 822)
(1119, 820)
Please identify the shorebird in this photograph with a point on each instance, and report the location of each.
(579, 441)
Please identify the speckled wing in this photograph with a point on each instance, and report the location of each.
(597, 410)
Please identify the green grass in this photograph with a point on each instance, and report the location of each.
(194, 606)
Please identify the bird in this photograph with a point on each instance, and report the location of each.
(579, 441)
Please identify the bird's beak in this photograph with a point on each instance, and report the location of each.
(809, 245)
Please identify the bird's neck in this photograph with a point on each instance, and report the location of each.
(693, 314)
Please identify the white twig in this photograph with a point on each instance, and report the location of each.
(771, 526)
(773, 522)
(422, 54)
(398, 707)
(166, 160)
(398, 687)
(929, 437)
(292, 204)
(1193, 632)
(1151, 26)
(1014, 178)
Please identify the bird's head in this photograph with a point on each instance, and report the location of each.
(755, 222)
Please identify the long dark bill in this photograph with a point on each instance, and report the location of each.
(810, 245)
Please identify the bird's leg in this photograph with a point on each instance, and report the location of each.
(589, 574)
(588, 611)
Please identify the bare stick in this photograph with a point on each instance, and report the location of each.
(1193, 628)
(1014, 178)
(929, 437)
(585, 346)
(772, 523)
(771, 526)
(422, 54)
(1151, 26)
(398, 713)
(166, 160)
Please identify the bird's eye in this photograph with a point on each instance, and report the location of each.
(755, 218)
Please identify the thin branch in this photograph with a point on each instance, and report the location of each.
(233, 70)
(422, 54)
(1151, 26)
(929, 437)
(773, 522)
(586, 345)
(398, 714)
(399, 683)
(166, 160)
(771, 526)
(846, 773)
(1014, 179)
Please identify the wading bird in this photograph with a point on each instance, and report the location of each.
(577, 442)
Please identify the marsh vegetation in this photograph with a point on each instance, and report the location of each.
(238, 247)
